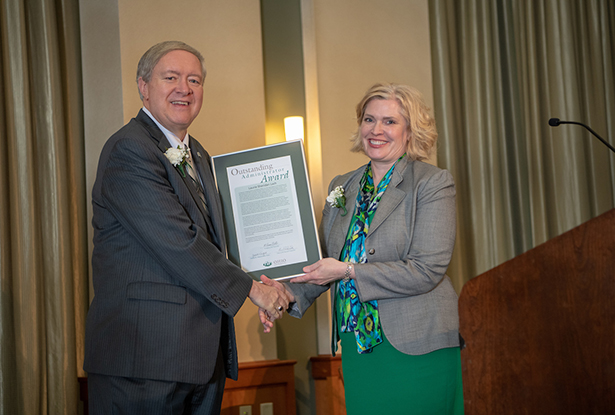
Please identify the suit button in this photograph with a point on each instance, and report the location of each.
(372, 251)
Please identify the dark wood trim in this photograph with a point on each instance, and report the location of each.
(329, 385)
(258, 382)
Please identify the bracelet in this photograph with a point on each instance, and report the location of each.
(348, 271)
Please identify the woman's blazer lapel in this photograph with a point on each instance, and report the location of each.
(335, 231)
(392, 197)
(337, 227)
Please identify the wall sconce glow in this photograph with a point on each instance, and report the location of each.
(293, 128)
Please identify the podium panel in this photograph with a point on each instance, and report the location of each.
(540, 328)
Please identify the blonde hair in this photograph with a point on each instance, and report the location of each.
(421, 126)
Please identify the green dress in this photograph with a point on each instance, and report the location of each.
(378, 378)
(387, 381)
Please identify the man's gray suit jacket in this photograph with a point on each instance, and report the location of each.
(165, 293)
(409, 246)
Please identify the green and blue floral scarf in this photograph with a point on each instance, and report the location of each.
(355, 316)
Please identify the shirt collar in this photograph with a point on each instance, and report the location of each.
(174, 141)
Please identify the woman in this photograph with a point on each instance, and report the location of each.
(394, 308)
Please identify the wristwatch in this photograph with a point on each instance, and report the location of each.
(348, 271)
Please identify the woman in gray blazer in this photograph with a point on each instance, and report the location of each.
(388, 231)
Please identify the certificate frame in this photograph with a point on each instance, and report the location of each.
(290, 149)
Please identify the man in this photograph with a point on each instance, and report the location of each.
(159, 335)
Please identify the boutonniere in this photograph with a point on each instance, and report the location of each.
(178, 158)
(337, 199)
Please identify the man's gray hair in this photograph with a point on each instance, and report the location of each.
(148, 61)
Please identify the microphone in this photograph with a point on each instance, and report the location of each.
(554, 122)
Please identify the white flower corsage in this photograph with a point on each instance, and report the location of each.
(178, 158)
(337, 199)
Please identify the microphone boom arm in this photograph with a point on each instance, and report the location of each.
(554, 122)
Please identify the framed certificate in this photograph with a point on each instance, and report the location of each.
(267, 205)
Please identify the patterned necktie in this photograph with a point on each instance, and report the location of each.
(197, 183)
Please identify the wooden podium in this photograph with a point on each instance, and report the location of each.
(540, 328)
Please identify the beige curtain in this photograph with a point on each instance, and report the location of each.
(501, 69)
(43, 246)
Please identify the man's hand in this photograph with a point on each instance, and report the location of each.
(266, 320)
(276, 284)
(272, 298)
(265, 317)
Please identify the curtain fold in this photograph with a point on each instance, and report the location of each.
(43, 225)
(501, 69)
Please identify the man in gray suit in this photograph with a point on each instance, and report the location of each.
(159, 335)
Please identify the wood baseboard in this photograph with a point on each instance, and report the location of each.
(267, 381)
(329, 385)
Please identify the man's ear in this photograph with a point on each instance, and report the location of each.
(143, 88)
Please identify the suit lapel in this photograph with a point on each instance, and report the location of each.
(203, 167)
(339, 225)
(391, 198)
(164, 145)
(153, 130)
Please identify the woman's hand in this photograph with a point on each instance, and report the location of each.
(323, 272)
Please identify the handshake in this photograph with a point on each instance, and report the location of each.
(272, 298)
